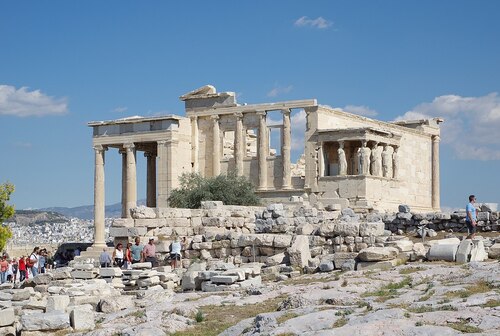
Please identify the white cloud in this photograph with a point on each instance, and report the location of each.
(471, 125)
(120, 109)
(23, 144)
(319, 22)
(360, 110)
(24, 103)
(277, 90)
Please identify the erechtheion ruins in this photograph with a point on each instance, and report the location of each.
(348, 159)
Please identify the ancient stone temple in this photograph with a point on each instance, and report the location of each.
(349, 160)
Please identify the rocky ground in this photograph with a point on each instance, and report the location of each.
(425, 298)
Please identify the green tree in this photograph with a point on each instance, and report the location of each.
(230, 189)
(6, 212)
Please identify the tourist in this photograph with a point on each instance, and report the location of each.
(137, 254)
(4, 266)
(128, 257)
(175, 252)
(105, 258)
(22, 268)
(33, 261)
(15, 267)
(10, 271)
(471, 217)
(42, 260)
(150, 252)
(118, 255)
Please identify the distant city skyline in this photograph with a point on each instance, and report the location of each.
(64, 64)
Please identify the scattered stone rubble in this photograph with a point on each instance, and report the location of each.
(235, 250)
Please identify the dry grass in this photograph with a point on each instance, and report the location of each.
(340, 322)
(410, 270)
(287, 316)
(427, 296)
(491, 304)
(219, 318)
(479, 287)
(389, 291)
(464, 327)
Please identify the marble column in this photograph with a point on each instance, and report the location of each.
(395, 162)
(286, 150)
(238, 144)
(162, 170)
(123, 153)
(436, 204)
(342, 159)
(262, 150)
(194, 144)
(150, 179)
(131, 187)
(99, 201)
(216, 146)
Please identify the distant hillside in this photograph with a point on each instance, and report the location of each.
(34, 217)
(87, 211)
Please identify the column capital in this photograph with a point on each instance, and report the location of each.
(286, 111)
(238, 115)
(261, 113)
(149, 154)
(129, 146)
(436, 138)
(167, 141)
(193, 117)
(100, 148)
(215, 117)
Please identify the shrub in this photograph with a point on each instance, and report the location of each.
(230, 189)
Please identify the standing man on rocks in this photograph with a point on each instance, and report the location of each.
(471, 217)
(149, 252)
(137, 253)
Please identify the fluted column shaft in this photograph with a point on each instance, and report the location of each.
(216, 146)
(194, 143)
(131, 186)
(123, 153)
(262, 151)
(151, 179)
(238, 144)
(436, 204)
(99, 200)
(162, 169)
(286, 150)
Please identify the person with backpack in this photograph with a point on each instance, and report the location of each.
(33, 261)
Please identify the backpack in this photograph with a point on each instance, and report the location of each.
(29, 263)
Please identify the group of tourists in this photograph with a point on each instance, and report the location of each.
(26, 266)
(137, 253)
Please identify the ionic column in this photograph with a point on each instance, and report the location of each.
(238, 144)
(151, 179)
(162, 182)
(262, 150)
(286, 149)
(99, 212)
(194, 143)
(216, 146)
(435, 173)
(123, 153)
(131, 187)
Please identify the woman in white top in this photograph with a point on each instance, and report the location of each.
(175, 252)
(118, 255)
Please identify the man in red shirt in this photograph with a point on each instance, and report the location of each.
(22, 269)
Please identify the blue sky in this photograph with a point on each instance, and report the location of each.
(64, 63)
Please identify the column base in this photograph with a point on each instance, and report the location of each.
(287, 187)
(262, 188)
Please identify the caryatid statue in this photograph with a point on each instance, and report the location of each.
(387, 162)
(376, 160)
(395, 162)
(342, 159)
(364, 159)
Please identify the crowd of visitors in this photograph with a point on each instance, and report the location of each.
(12, 269)
(136, 253)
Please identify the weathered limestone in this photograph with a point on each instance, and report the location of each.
(464, 250)
(82, 318)
(299, 253)
(378, 254)
(45, 321)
